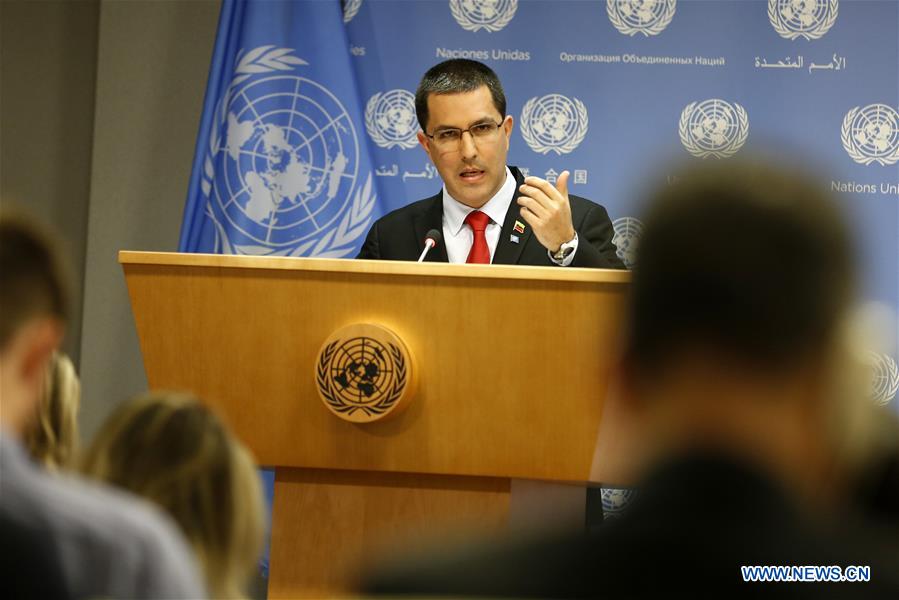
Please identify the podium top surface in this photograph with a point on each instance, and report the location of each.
(385, 267)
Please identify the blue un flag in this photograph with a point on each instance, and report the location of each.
(281, 165)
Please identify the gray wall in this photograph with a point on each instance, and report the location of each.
(100, 108)
(48, 59)
(153, 60)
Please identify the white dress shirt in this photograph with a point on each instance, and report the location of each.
(458, 236)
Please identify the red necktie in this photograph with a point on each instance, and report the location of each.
(480, 252)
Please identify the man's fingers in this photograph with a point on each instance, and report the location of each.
(529, 217)
(533, 205)
(562, 184)
(542, 185)
(535, 193)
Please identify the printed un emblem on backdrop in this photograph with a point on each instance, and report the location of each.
(884, 378)
(809, 19)
(390, 119)
(553, 123)
(627, 238)
(490, 15)
(871, 134)
(281, 174)
(649, 17)
(615, 500)
(713, 128)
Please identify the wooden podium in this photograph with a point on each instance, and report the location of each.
(512, 365)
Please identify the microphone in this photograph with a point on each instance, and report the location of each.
(432, 238)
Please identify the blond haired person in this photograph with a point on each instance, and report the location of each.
(109, 544)
(53, 439)
(173, 451)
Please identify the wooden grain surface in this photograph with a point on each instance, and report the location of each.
(328, 525)
(513, 362)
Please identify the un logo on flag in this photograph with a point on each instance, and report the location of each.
(713, 128)
(390, 119)
(627, 238)
(282, 169)
(649, 17)
(553, 123)
(809, 19)
(871, 134)
(491, 15)
(350, 8)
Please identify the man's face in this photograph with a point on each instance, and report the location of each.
(474, 168)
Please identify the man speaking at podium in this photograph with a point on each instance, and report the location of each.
(487, 212)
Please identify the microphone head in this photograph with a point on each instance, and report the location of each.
(435, 235)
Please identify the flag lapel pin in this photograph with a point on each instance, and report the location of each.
(519, 227)
(513, 238)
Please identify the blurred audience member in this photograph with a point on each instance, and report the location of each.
(110, 544)
(875, 480)
(29, 564)
(175, 452)
(735, 334)
(52, 441)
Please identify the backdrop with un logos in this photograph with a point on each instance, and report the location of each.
(309, 132)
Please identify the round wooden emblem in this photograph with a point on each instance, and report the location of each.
(364, 373)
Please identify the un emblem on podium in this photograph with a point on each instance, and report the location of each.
(364, 373)
(871, 134)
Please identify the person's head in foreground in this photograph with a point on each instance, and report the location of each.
(33, 313)
(733, 342)
(172, 450)
(736, 320)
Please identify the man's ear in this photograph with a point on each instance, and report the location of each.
(43, 337)
(508, 125)
(425, 143)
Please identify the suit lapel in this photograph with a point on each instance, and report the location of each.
(431, 218)
(509, 252)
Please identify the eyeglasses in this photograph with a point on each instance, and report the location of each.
(452, 138)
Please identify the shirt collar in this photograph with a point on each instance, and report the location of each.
(454, 212)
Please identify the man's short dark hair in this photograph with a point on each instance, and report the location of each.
(751, 262)
(453, 77)
(32, 281)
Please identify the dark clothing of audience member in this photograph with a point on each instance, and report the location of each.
(697, 520)
(735, 371)
(29, 566)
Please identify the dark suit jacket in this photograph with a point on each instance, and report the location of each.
(694, 522)
(400, 235)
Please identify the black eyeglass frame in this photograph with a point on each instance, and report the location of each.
(462, 131)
